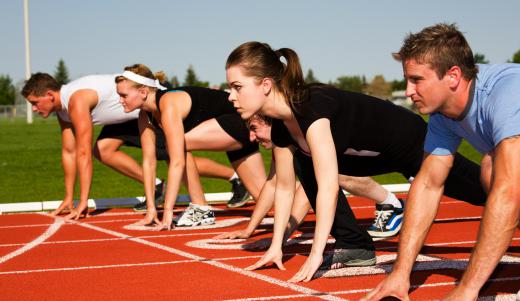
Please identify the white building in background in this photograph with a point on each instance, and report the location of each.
(399, 98)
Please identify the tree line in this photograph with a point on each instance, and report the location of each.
(378, 86)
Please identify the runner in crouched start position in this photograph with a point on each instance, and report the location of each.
(329, 132)
(480, 103)
(93, 99)
(388, 213)
(192, 118)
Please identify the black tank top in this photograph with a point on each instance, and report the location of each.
(360, 124)
(205, 104)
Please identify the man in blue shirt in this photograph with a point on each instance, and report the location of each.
(482, 105)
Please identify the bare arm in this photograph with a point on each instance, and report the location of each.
(423, 201)
(283, 196)
(80, 105)
(500, 219)
(486, 168)
(421, 207)
(300, 208)
(68, 161)
(321, 144)
(174, 108)
(265, 202)
(147, 136)
(263, 205)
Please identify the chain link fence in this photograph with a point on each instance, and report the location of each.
(13, 111)
(19, 109)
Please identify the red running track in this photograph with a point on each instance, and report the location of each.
(42, 258)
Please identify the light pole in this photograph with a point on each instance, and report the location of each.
(27, 54)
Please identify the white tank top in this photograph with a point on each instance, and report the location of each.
(108, 109)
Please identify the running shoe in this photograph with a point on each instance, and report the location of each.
(388, 221)
(340, 258)
(240, 194)
(195, 215)
(159, 198)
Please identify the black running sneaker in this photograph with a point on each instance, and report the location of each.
(240, 194)
(388, 220)
(159, 198)
(340, 258)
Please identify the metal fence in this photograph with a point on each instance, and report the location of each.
(13, 111)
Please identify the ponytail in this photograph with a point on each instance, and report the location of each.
(160, 76)
(292, 83)
(259, 60)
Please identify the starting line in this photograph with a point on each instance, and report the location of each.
(212, 198)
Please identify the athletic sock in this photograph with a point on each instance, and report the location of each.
(203, 207)
(234, 176)
(157, 181)
(392, 200)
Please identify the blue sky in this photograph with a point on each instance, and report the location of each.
(332, 37)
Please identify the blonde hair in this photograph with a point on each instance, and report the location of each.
(142, 70)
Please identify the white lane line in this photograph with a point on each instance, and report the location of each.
(229, 222)
(448, 219)
(225, 242)
(90, 222)
(451, 283)
(112, 239)
(443, 244)
(109, 266)
(124, 265)
(267, 221)
(384, 265)
(502, 297)
(48, 233)
(284, 284)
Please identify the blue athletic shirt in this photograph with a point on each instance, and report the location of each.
(493, 113)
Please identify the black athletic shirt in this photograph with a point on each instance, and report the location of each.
(360, 124)
(205, 104)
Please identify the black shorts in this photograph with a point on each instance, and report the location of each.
(463, 181)
(128, 132)
(236, 128)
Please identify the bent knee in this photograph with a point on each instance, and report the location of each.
(103, 149)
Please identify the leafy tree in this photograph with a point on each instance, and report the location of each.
(191, 79)
(175, 81)
(398, 85)
(379, 88)
(224, 86)
(7, 91)
(480, 58)
(61, 74)
(309, 78)
(516, 57)
(349, 83)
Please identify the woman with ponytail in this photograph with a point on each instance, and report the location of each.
(329, 132)
(192, 118)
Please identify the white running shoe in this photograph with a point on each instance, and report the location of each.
(195, 215)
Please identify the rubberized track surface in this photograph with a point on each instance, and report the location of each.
(99, 258)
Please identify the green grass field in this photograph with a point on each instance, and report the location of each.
(30, 166)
